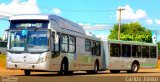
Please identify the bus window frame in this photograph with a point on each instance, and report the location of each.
(155, 51)
(120, 49)
(145, 56)
(137, 56)
(62, 34)
(90, 45)
(72, 44)
(93, 48)
(128, 52)
(98, 47)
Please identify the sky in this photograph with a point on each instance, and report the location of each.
(96, 16)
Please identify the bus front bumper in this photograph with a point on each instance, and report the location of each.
(27, 66)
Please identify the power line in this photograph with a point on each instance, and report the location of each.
(105, 23)
(86, 11)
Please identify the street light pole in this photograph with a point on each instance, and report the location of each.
(119, 24)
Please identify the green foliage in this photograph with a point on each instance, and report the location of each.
(131, 32)
(0, 38)
(158, 47)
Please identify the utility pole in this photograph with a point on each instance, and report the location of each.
(119, 24)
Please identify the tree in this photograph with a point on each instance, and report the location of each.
(0, 39)
(131, 32)
(158, 47)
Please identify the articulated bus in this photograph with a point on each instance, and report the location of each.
(52, 43)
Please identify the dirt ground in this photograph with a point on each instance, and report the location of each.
(159, 63)
(2, 61)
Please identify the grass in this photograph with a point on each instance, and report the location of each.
(2, 61)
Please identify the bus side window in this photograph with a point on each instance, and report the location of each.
(145, 51)
(153, 52)
(115, 50)
(139, 54)
(87, 45)
(57, 42)
(64, 43)
(126, 50)
(72, 44)
(94, 48)
(53, 42)
(98, 53)
(136, 51)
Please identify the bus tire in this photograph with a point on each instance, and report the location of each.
(115, 71)
(96, 68)
(64, 68)
(134, 68)
(27, 72)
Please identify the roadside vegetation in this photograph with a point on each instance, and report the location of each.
(133, 31)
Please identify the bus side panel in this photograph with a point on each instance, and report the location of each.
(148, 63)
(105, 55)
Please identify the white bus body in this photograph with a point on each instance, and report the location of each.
(50, 43)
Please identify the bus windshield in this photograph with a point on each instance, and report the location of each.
(29, 40)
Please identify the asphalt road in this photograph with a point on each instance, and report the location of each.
(144, 75)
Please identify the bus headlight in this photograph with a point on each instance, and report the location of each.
(42, 59)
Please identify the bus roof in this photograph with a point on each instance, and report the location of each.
(30, 17)
(63, 23)
(132, 42)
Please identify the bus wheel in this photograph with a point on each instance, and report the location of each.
(115, 71)
(64, 69)
(96, 68)
(27, 72)
(134, 68)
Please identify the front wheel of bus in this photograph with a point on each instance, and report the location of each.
(27, 72)
(64, 69)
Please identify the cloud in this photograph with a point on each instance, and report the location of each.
(19, 7)
(130, 14)
(95, 27)
(149, 21)
(57, 11)
(102, 36)
(157, 21)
